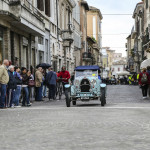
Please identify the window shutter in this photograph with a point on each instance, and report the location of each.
(40, 5)
(47, 7)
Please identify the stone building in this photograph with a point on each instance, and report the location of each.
(105, 63)
(94, 19)
(65, 30)
(130, 53)
(77, 33)
(20, 23)
(110, 54)
(146, 33)
(137, 35)
(85, 58)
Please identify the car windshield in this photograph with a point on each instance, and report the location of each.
(87, 73)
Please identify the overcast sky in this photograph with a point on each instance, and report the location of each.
(120, 25)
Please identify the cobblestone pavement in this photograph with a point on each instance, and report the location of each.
(124, 124)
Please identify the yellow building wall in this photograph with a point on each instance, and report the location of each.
(90, 16)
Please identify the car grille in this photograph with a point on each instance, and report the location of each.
(85, 85)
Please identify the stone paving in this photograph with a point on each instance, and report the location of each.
(124, 124)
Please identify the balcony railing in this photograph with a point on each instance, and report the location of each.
(87, 55)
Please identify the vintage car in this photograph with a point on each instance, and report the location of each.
(86, 86)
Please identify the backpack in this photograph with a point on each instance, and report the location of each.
(144, 79)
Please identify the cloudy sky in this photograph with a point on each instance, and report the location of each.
(115, 28)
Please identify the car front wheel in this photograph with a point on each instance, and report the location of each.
(67, 94)
(103, 98)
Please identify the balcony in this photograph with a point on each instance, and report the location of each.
(87, 56)
(23, 15)
(67, 35)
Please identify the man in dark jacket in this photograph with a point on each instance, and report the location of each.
(25, 80)
(51, 82)
(12, 85)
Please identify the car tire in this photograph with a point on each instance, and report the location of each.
(67, 94)
(103, 98)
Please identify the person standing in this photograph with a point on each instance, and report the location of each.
(65, 75)
(4, 78)
(19, 85)
(143, 82)
(12, 86)
(31, 86)
(148, 71)
(44, 90)
(51, 82)
(25, 81)
(38, 84)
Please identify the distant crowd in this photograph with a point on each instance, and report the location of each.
(22, 86)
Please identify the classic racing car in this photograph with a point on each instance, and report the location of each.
(86, 86)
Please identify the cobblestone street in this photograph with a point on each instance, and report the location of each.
(123, 124)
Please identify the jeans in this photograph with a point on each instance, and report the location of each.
(44, 91)
(25, 96)
(17, 95)
(31, 93)
(38, 93)
(64, 83)
(10, 97)
(144, 90)
(52, 91)
(2, 95)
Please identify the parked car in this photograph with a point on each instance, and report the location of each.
(86, 86)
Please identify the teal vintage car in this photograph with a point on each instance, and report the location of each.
(86, 86)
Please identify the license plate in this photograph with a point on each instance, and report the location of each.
(84, 97)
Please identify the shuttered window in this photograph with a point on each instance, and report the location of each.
(147, 4)
(40, 5)
(47, 7)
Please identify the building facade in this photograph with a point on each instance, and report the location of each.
(137, 35)
(77, 33)
(94, 20)
(20, 23)
(85, 58)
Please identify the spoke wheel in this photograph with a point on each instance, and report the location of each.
(67, 94)
(103, 98)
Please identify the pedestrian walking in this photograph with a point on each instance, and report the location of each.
(143, 82)
(65, 75)
(51, 83)
(19, 86)
(38, 84)
(25, 90)
(4, 78)
(12, 86)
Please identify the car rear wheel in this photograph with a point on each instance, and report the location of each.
(103, 98)
(67, 94)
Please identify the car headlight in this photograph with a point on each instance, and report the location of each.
(93, 82)
(76, 82)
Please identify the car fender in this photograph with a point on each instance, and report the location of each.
(67, 86)
(103, 85)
